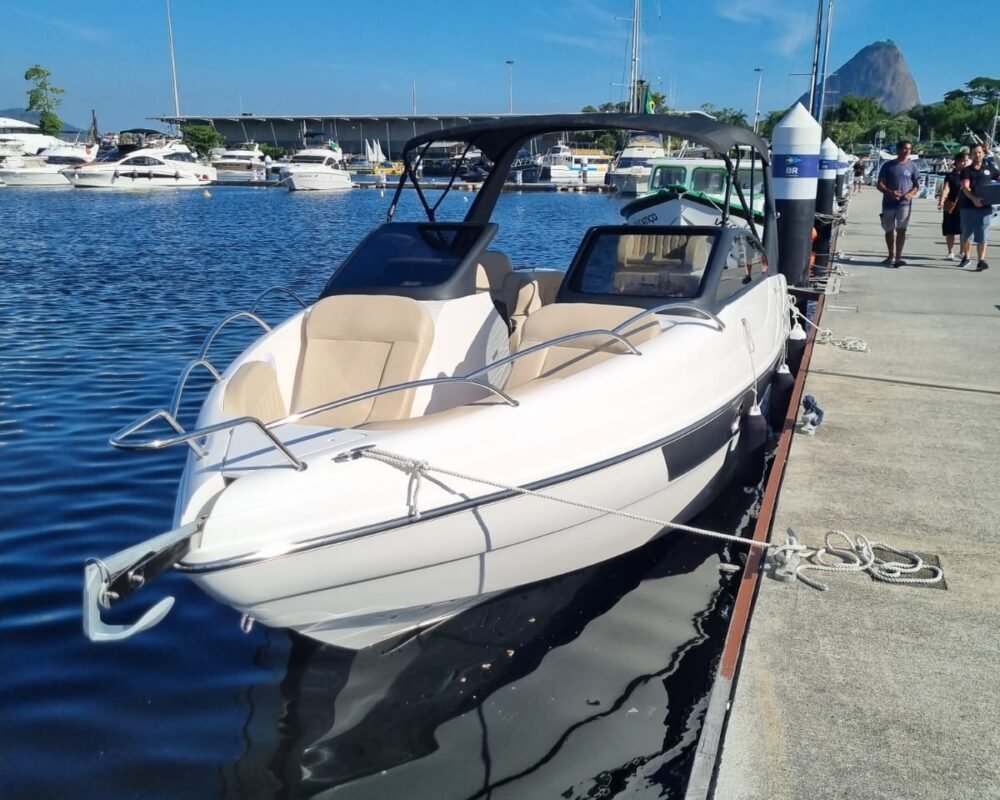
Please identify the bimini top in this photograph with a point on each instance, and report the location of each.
(494, 137)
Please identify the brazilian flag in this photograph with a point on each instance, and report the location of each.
(648, 107)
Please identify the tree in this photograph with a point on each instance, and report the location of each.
(730, 116)
(44, 98)
(202, 138)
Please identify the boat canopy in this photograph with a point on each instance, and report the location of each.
(495, 136)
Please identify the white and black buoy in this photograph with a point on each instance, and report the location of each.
(843, 176)
(826, 188)
(795, 169)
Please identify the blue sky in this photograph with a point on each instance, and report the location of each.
(337, 57)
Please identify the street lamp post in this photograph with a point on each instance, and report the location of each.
(510, 85)
(756, 102)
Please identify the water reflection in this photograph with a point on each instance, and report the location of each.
(591, 684)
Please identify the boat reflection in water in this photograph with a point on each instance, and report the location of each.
(590, 681)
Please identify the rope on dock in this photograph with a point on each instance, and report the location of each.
(793, 558)
(825, 335)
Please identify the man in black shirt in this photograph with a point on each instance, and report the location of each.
(975, 212)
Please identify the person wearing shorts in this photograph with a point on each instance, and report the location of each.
(976, 213)
(951, 219)
(898, 181)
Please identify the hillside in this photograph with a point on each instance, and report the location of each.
(878, 70)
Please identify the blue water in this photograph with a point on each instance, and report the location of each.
(589, 685)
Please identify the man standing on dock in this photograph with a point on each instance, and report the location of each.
(898, 180)
(976, 213)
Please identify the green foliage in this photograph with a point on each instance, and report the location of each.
(202, 138)
(730, 116)
(274, 152)
(44, 98)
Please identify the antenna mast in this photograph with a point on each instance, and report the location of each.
(173, 64)
(633, 83)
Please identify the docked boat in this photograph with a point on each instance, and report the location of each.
(243, 163)
(46, 169)
(694, 191)
(169, 166)
(316, 169)
(438, 427)
(25, 137)
(630, 171)
(565, 164)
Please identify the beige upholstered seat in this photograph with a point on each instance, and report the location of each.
(524, 293)
(350, 344)
(491, 271)
(560, 319)
(253, 392)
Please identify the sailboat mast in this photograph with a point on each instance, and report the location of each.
(633, 83)
(815, 62)
(173, 64)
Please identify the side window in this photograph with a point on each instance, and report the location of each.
(745, 264)
(709, 181)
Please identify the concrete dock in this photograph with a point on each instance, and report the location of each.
(872, 690)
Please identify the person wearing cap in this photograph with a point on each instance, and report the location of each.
(976, 212)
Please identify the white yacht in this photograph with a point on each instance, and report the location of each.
(170, 166)
(46, 169)
(240, 164)
(629, 174)
(316, 169)
(565, 164)
(439, 428)
(32, 140)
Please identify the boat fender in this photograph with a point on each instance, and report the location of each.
(114, 175)
(750, 446)
(812, 415)
(779, 396)
(796, 347)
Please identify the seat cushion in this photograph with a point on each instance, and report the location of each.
(356, 343)
(253, 391)
(564, 359)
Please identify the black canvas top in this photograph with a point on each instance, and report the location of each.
(494, 136)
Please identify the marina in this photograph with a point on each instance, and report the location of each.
(598, 454)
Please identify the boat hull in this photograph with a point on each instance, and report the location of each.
(318, 181)
(378, 583)
(136, 179)
(40, 178)
(630, 184)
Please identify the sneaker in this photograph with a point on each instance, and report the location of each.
(963, 262)
(949, 257)
(899, 263)
(982, 266)
(887, 261)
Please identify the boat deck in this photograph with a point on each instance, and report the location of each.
(869, 689)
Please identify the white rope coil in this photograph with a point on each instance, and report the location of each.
(825, 335)
(792, 559)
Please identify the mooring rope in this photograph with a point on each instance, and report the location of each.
(859, 556)
(825, 335)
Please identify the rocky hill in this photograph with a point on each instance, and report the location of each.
(878, 70)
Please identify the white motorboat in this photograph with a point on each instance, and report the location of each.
(316, 169)
(630, 171)
(242, 163)
(565, 164)
(46, 169)
(168, 166)
(438, 428)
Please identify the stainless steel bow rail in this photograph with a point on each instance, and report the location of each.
(122, 439)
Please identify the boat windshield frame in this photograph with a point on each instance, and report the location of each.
(500, 140)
